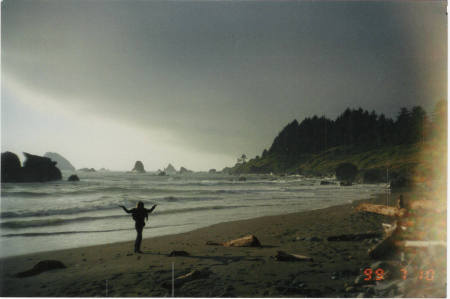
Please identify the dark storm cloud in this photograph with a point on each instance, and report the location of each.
(225, 76)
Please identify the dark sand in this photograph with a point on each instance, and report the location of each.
(113, 270)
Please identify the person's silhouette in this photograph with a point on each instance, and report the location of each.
(139, 213)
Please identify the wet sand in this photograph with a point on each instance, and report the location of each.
(113, 270)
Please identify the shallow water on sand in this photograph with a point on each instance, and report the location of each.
(49, 216)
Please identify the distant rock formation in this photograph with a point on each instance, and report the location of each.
(11, 168)
(138, 167)
(87, 169)
(227, 170)
(346, 173)
(35, 169)
(184, 170)
(212, 170)
(73, 178)
(62, 163)
(170, 169)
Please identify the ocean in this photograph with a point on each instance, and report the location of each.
(58, 215)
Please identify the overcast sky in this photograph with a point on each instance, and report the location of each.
(197, 83)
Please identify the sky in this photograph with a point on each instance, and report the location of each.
(197, 83)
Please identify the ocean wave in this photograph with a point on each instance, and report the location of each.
(62, 221)
(186, 198)
(88, 191)
(54, 212)
(53, 221)
(25, 194)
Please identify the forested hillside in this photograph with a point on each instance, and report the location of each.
(316, 145)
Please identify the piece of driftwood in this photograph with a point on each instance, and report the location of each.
(386, 227)
(247, 241)
(354, 237)
(193, 275)
(387, 245)
(179, 253)
(417, 243)
(381, 209)
(40, 267)
(289, 257)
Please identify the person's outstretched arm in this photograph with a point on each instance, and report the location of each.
(125, 209)
(151, 210)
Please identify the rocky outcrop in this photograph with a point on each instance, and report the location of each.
(40, 169)
(62, 163)
(138, 167)
(11, 168)
(73, 178)
(170, 169)
(87, 169)
(374, 176)
(35, 169)
(184, 170)
(346, 173)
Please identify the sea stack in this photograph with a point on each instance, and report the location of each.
(184, 170)
(62, 163)
(138, 167)
(170, 169)
(35, 169)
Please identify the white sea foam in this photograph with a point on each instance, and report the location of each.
(57, 215)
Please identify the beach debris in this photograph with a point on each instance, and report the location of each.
(418, 243)
(313, 239)
(387, 245)
(246, 241)
(193, 275)
(179, 253)
(381, 209)
(354, 237)
(40, 267)
(289, 257)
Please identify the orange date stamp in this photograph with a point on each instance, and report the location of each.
(379, 274)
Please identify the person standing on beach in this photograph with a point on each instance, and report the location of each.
(139, 213)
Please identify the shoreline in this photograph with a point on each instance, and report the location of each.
(255, 273)
(373, 197)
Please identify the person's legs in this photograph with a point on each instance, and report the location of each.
(137, 243)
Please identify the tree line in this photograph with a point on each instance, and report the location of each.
(358, 127)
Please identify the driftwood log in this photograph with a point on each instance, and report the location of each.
(419, 243)
(40, 267)
(381, 209)
(247, 241)
(387, 245)
(354, 237)
(289, 257)
(193, 275)
(179, 253)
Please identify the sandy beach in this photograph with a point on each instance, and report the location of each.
(114, 270)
